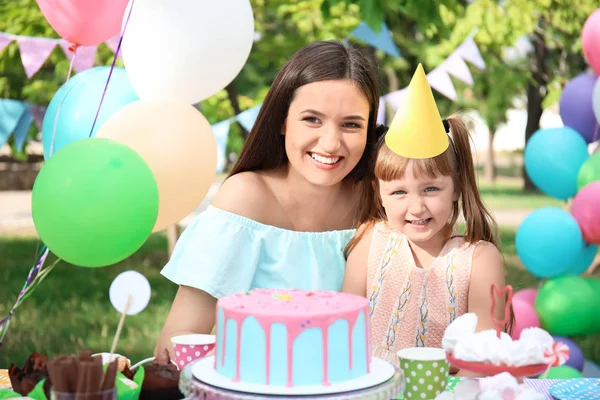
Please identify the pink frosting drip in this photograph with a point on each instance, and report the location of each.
(297, 310)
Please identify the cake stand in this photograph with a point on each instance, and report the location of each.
(491, 369)
(195, 389)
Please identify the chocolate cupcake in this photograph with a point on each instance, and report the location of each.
(161, 379)
(24, 380)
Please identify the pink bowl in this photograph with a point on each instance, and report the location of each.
(188, 348)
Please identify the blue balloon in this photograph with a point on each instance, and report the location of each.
(549, 241)
(80, 97)
(583, 260)
(553, 158)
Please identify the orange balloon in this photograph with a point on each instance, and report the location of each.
(178, 144)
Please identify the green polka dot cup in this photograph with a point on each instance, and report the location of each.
(425, 371)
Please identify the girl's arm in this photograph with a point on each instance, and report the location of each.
(355, 277)
(487, 268)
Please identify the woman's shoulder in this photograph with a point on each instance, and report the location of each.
(247, 194)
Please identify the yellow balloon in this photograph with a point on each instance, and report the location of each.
(178, 144)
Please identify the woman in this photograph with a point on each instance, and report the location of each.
(288, 208)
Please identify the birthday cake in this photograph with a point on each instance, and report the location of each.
(292, 337)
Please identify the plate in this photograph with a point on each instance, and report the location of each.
(581, 388)
(491, 369)
(204, 371)
(4, 379)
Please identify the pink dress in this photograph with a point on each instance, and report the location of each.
(411, 306)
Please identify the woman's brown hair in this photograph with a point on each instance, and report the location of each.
(457, 162)
(320, 61)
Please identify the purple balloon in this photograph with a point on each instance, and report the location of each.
(576, 359)
(576, 107)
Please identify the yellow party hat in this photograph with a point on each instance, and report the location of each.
(417, 130)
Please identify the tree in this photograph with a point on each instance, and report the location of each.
(427, 15)
(494, 93)
(556, 58)
(503, 80)
(553, 27)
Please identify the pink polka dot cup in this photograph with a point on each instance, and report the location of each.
(188, 348)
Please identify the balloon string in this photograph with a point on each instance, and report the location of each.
(61, 101)
(112, 67)
(36, 274)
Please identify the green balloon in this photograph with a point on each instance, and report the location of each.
(565, 306)
(594, 283)
(95, 202)
(563, 372)
(589, 171)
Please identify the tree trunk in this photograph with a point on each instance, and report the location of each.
(489, 168)
(392, 86)
(392, 79)
(232, 94)
(173, 233)
(536, 91)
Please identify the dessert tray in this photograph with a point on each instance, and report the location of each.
(383, 382)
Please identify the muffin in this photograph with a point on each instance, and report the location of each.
(161, 379)
(24, 380)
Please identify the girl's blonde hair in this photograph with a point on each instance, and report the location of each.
(457, 162)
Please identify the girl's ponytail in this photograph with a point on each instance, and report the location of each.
(479, 220)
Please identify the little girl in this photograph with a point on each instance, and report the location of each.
(407, 258)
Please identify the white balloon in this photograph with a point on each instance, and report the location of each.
(186, 49)
(126, 283)
(596, 100)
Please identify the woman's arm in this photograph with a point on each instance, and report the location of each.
(487, 269)
(355, 277)
(192, 311)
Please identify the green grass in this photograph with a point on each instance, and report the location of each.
(508, 194)
(71, 311)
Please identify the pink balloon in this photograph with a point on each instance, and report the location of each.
(586, 211)
(84, 22)
(525, 317)
(590, 38)
(526, 295)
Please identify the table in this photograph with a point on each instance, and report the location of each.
(539, 385)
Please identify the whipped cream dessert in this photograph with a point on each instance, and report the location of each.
(463, 343)
(503, 386)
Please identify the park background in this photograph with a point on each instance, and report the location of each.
(530, 48)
